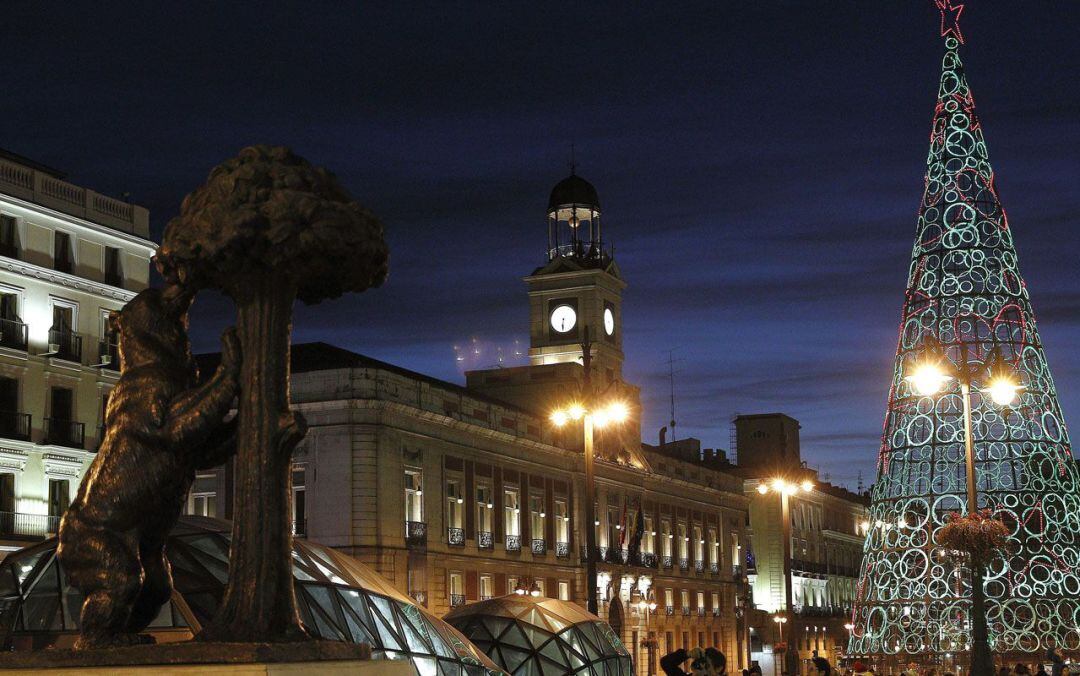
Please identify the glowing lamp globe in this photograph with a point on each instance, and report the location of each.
(928, 379)
(1003, 391)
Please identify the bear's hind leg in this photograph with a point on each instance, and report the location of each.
(111, 579)
(157, 586)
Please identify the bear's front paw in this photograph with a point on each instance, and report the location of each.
(230, 349)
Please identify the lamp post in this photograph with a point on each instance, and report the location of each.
(785, 488)
(928, 379)
(592, 415)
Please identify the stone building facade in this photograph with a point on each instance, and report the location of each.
(68, 256)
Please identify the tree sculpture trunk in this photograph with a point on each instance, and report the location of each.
(259, 602)
(982, 661)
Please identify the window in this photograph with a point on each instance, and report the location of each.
(59, 496)
(9, 236)
(202, 499)
(648, 539)
(61, 400)
(537, 516)
(714, 547)
(455, 504)
(63, 341)
(701, 601)
(114, 275)
(299, 500)
(562, 521)
(699, 545)
(684, 599)
(665, 537)
(63, 257)
(457, 589)
(716, 601)
(669, 598)
(511, 584)
(684, 540)
(614, 526)
(485, 509)
(414, 495)
(539, 583)
(7, 492)
(13, 424)
(735, 549)
(12, 329)
(564, 590)
(511, 512)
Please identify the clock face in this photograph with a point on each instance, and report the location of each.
(609, 321)
(563, 319)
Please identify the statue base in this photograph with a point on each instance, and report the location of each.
(191, 657)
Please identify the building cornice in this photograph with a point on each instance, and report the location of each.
(64, 279)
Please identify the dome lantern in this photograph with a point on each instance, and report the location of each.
(574, 220)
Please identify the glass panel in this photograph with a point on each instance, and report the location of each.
(41, 611)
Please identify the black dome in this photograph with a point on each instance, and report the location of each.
(573, 190)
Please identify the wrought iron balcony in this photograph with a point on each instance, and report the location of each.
(539, 546)
(647, 559)
(15, 425)
(615, 555)
(68, 433)
(13, 334)
(665, 562)
(108, 355)
(684, 564)
(736, 572)
(416, 534)
(686, 611)
(699, 566)
(669, 610)
(299, 528)
(562, 550)
(716, 612)
(485, 539)
(65, 344)
(513, 543)
(457, 600)
(28, 525)
(420, 597)
(486, 597)
(456, 536)
(714, 568)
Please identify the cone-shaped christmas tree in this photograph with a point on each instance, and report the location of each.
(966, 306)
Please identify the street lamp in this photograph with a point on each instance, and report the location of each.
(780, 621)
(928, 378)
(785, 488)
(591, 417)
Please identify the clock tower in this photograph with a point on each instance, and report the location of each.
(578, 288)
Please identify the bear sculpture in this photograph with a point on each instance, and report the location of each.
(161, 425)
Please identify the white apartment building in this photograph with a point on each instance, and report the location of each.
(68, 256)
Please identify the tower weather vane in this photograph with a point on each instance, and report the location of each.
(950, 18)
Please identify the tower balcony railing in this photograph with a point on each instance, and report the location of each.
(13, 334)
(415, 534)
(65, 344)
(15, 425)
(63, 432)
(28, 525)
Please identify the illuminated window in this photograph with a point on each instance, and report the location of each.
(414, 495)
(63, 256)
(485, 508)
(511, 512)
(562, 520)
(564, 590)
(202, 499)
(455, 508)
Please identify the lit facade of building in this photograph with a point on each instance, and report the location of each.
(68, 256)
(828, 528)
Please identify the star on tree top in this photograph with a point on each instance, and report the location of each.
(950, 18)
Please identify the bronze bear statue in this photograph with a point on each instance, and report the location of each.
(161, 425)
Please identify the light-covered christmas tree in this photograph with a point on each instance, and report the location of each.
(966, 307)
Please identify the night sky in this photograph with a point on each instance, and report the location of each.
(760, 166)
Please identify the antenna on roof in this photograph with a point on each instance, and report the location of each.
(573, 159)
(671, 361)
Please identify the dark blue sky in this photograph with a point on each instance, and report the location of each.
(760, 165)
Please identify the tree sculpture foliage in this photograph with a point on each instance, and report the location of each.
(978, 536)
(267, 228)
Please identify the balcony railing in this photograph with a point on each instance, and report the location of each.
(420, 597)
(29, 525)
(64, 344)
(299, 528)
(616, 555)
(108, 355)
(647, 559)
(562, 550)
(699, 566)
(485, 539)
(665, 562)
(716, 612)
(714, 568)
(539, 546)
(415, 533)
(455, 536)
(15, 425)
(686, 611)
(513, 543)
(68, 433)
(684, 564)
(701, 612)
(486, 597)
(669, 610)
(457, 600)
(736, 572)
(13, 334)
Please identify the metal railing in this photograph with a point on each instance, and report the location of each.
(108, 355)
(686, 611)
(714, 568)
(485, 539)
(513, 543)
(299, 528)
(669, 610)
(455, 536)
(562, 550)
(684, 564)
(539, 546)
(699, 566)
(647, 559)
(13, 334)
(65, 344)
(665, 562)
(486, 597)
(68, 433)
(420, 597)
(701, 612)
(416, 533)
(15, 425)
(457, 600)
(30, 525)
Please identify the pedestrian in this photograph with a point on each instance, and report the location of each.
(1041, 671)
(1021, 668)
(821, 664)
(703, 662)
(1056, 658)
